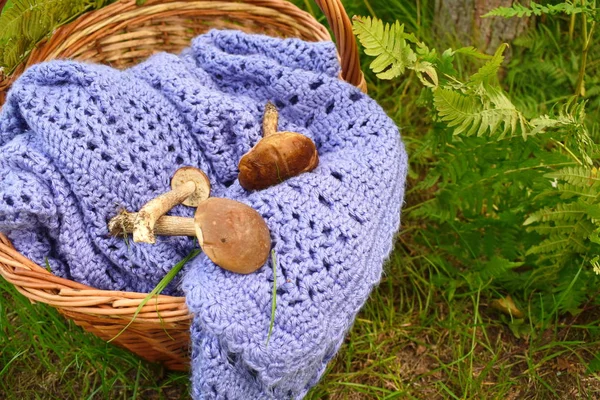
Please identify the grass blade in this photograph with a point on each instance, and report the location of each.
(160, 287)
(274, 294)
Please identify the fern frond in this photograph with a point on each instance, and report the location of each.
(567, 191)
(562, 212)
(520, 11)
(488, 73)
(497, 267)
(387, 43)
(467, 114)
(579, 176)
(559, 244)
(26, 22)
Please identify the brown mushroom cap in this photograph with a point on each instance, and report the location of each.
(233, 235)
(192, 174)
(276, 158)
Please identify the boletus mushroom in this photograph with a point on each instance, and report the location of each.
(233, 235)
(189, 186)
(277, 156)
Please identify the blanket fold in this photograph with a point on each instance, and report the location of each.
(79, 142)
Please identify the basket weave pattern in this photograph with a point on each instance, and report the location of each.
(122, 35)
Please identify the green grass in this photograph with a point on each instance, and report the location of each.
(425, 333)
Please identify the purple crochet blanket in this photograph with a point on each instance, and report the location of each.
(79, 142)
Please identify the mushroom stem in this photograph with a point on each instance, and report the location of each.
(166, 225)
(143, 225)
(270, 120)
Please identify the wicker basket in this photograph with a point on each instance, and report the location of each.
(122, 34)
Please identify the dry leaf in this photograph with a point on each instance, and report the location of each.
(507, 306)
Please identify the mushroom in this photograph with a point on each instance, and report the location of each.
(189, 186)
(233, 235)
(166, 225)
(277, 156)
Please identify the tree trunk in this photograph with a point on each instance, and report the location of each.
(460, 23)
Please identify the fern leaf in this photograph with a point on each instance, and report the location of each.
(520, 11)
(568, 191)
(562, 212)
(559, 244)
(579, 176)
(497, 267)
(26, 22)
(488, 73)
(472, 52)
(387, 43)
(466, 113)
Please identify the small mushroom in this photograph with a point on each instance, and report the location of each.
(277, 156)
(189, 186)
(233, 235)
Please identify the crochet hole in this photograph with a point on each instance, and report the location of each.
(294, 100)
(232, 358)
(279, 104)
(76, 135)
(219, 76)
(315, 85)
(133, 180)
(179, 160)
(91, 146)
(295, 216)
(281, 291)
(171, 148)
(309, 121)
(144, 166)
(25, 198)
(323, 201)
(327, 265)
(143, 149)
(120, 168)
(111, 120)
(329, 108)
(355, 96)
(336, 175)
(105, 157)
